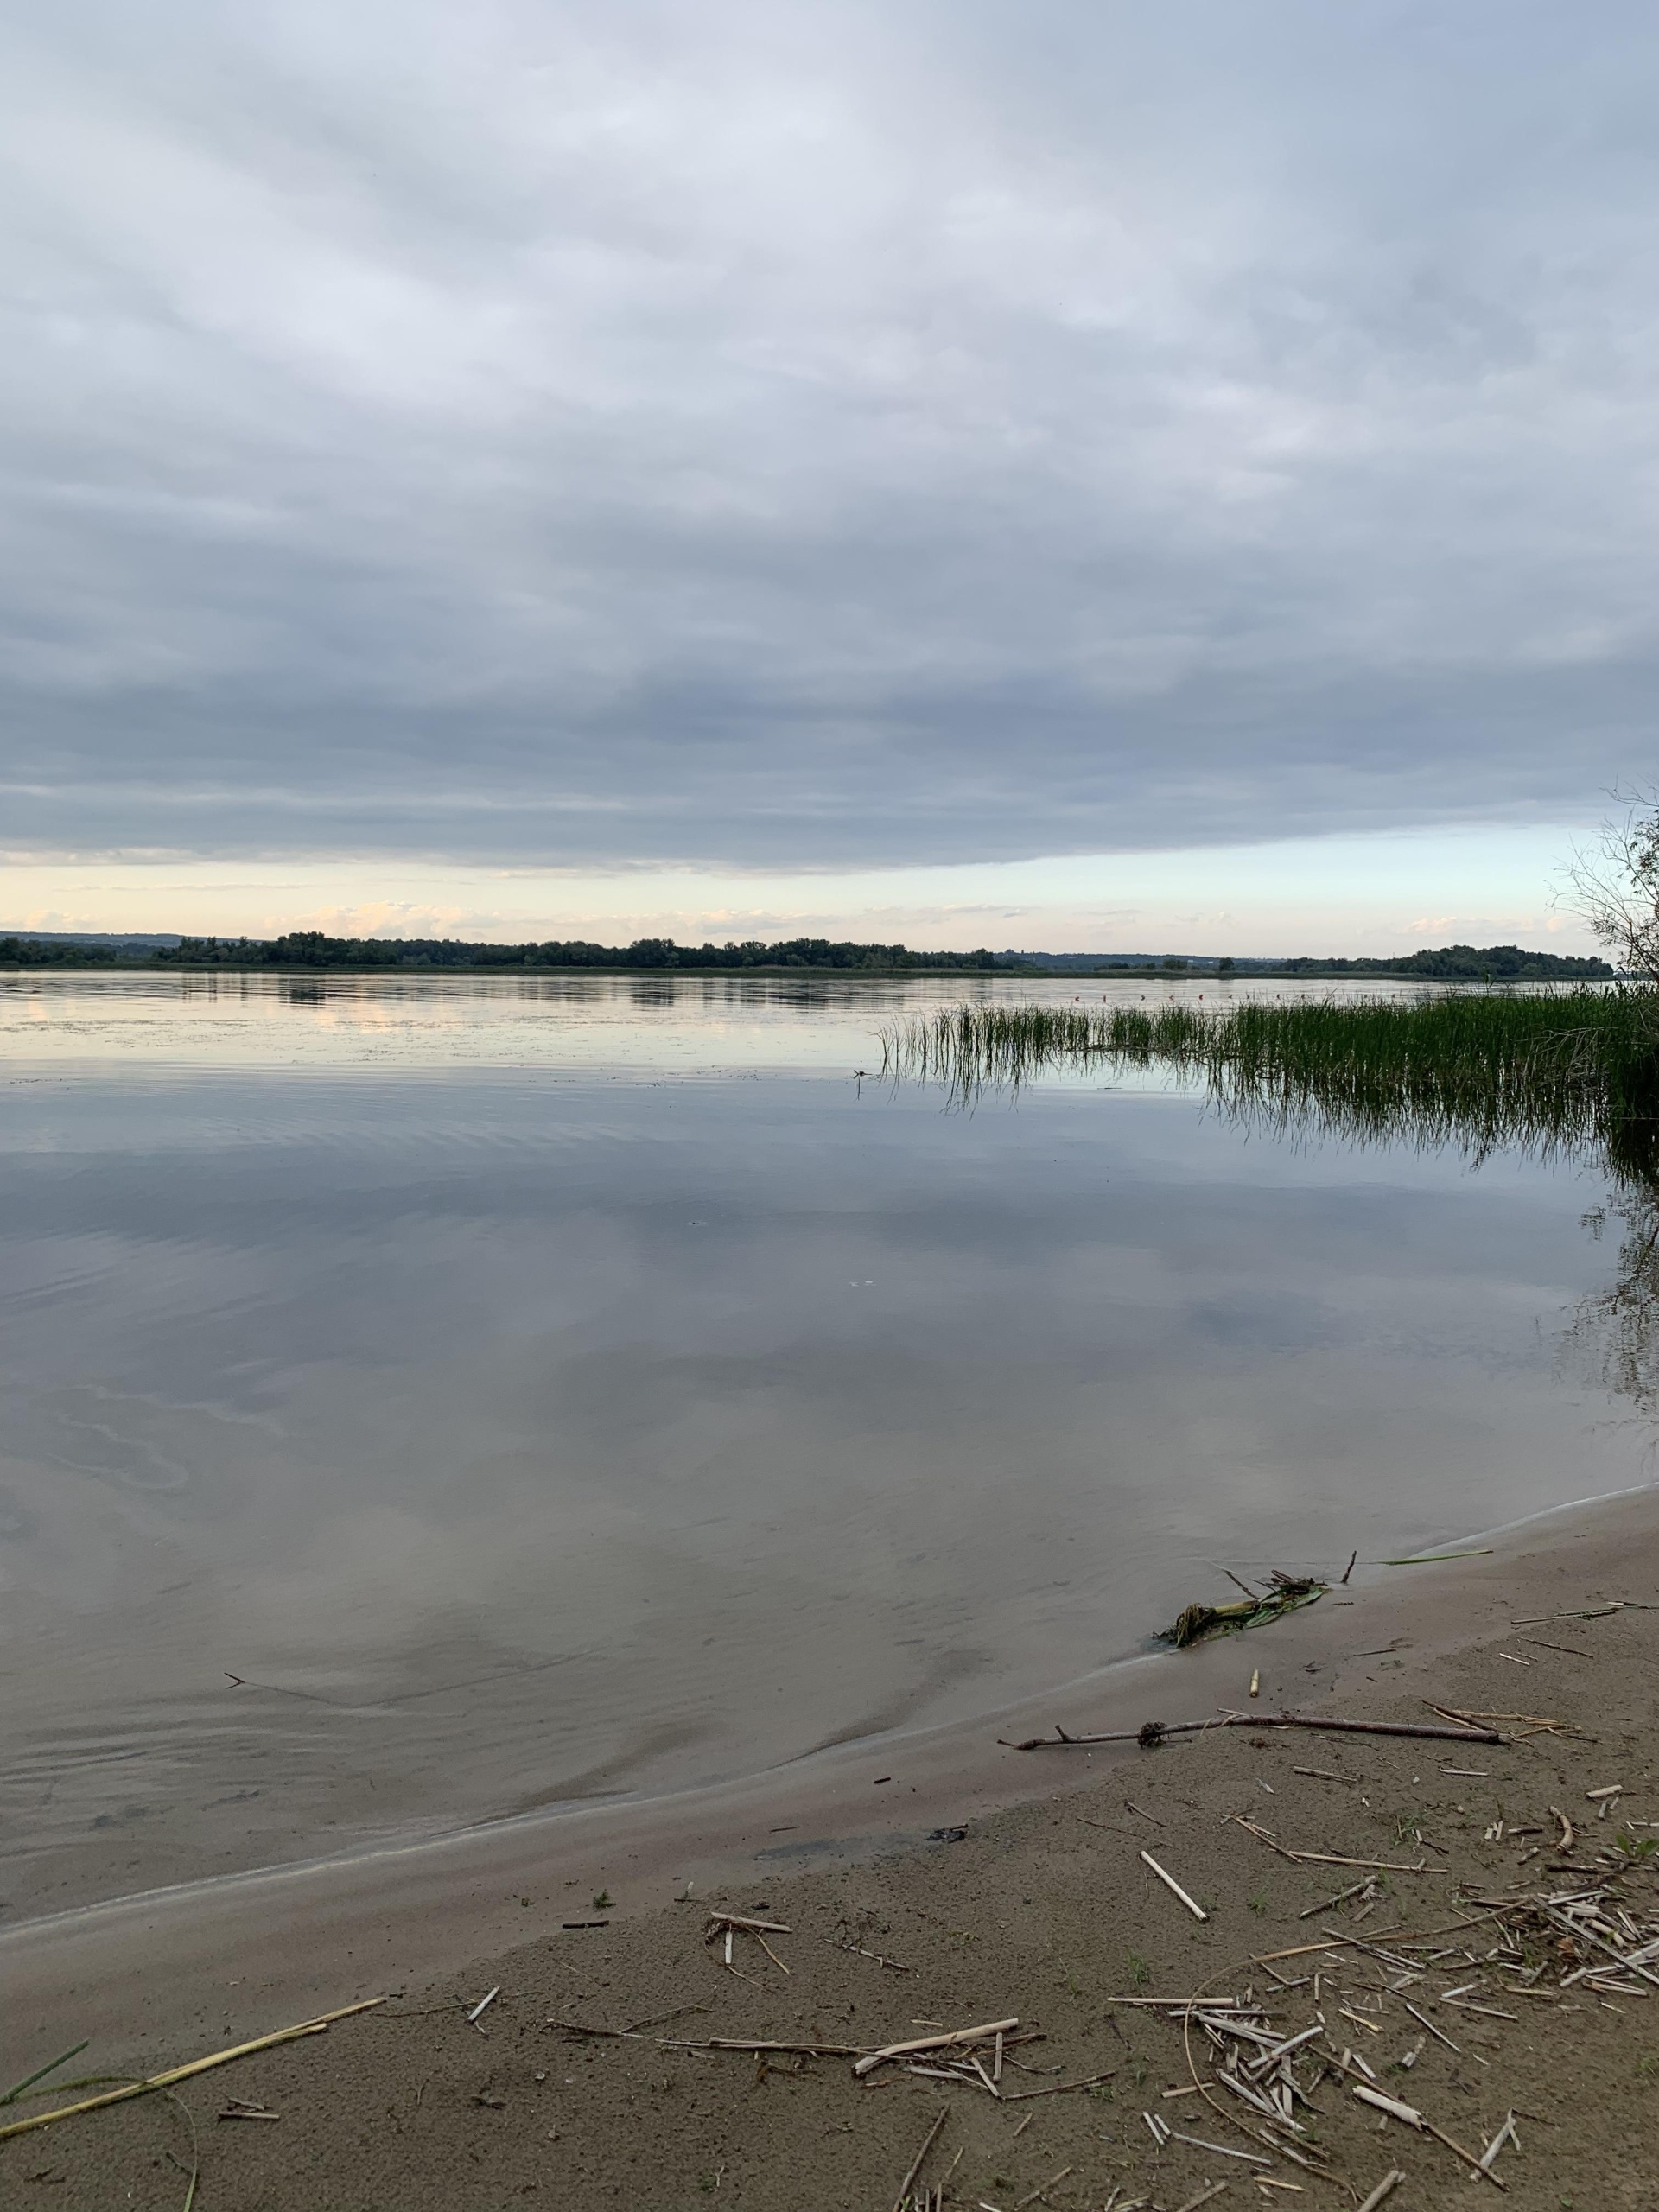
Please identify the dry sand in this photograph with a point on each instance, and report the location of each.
(1043, 1911)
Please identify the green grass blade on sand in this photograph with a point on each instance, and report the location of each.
(41, 2073)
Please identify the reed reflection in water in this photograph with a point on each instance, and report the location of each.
(1559, 1075)
(440, 1400)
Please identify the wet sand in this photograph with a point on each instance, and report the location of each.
(1034, 1912)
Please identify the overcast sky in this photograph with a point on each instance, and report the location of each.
(734, 442)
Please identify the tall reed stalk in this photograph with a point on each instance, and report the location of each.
(1556, 1070)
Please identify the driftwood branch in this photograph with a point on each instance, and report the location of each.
(1151, 1732)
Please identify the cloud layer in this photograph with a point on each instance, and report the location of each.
(821, 435)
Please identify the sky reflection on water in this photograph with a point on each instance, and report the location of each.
(538, 1394)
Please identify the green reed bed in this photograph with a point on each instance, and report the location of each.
(1476, 1068)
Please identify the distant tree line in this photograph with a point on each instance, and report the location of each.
(312, 949)
(1452, 963)
(35, 952)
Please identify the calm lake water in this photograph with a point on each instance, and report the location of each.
(535, 1389)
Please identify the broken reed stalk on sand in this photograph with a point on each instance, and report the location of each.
(1171, 1883)
(1385, 2188)
(753, 2045)
(873, 2058)
(1188, 2006)
(1032, 2197)
(1409, 2116)
(919, 2160)
(314, 2027)
(1057, 2090)
(1203, 2196)
(1332, 1858)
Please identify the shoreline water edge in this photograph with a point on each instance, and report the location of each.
(280, 1940)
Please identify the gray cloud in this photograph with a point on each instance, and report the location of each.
(820, 435)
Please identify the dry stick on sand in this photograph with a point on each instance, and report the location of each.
(314, 2027)
(1423, 2021)
(1268, 1959)
(1230, 2118)
(1385, 2188)
(1505, 2134)
(1171, 1883)
(1333, 1858)
(1409, 2116)
(753, 2045)
(744, 2043)
(1341, 1897)
(1057, 2089)
(1203, 2196)
(991, 2028)
(1209, 2004)
(770, 1953)
(1532, 1721)
(1151, 1732)
(858, 1951)
(919, 2160)
(1033, 2196)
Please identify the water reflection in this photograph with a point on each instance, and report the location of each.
(1567, 1076)
(1614, 1337)
(529, 1393)
(1560, 1108)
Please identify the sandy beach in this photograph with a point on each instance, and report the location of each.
(831, 889)
(947, 1879)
